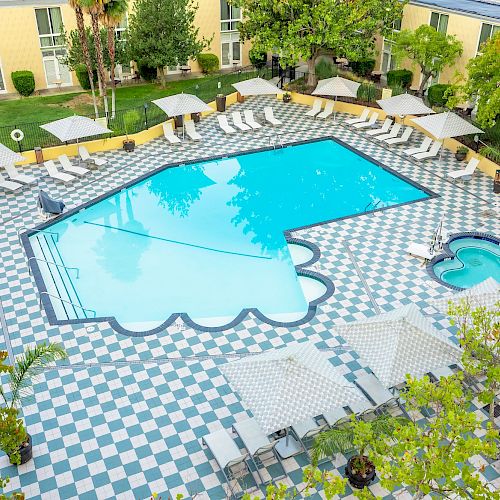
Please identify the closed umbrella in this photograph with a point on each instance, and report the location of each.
(256, 86)
(8, 157)
(337, 87)
(400, 342)
(446, 125)
(74, 128)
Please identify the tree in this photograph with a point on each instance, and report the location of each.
(431, 50)
(163, 34)
(479, 336)
(303, 29)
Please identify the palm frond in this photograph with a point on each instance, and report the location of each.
(385, 425)
(29, 365)
(333, 441)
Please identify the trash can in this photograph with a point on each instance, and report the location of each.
(220, 100)
(179, 121)
(496, 182)
(38, 154)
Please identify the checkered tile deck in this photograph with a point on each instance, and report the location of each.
(125, 416)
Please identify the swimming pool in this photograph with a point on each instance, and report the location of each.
(207, 239)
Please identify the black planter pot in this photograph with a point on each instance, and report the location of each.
(221, 103)
(356, 480)
(196, 117)
(128, 146)
(460, 156)
(287, 98)
(26, 452)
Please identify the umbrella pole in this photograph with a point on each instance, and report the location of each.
(334, 109)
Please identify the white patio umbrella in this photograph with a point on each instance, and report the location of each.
(337, 87)
(403, 105)
(400, 342)
(484, 294)
(256, 86)
(74, 128)
(8, 157)
(284, 386)
(445, 125)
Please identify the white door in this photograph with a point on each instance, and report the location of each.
(56, 73)
(230, 49)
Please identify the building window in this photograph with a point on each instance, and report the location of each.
(50, 27)
(230, 49)
(230, 16)
(487, 32)
(56, 73)
(388, 60)
(396, 25)
(121, 28)
(2, 81)
(439, 21)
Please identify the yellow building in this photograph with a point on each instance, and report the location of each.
(471, 21)
(30, 39)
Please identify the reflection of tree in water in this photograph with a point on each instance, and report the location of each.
(179, 187)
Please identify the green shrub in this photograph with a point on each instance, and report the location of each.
(435, 94)
(397, 90)
(491, 152)
(24, 82)
(83, 76)
(258, 59)
(399, 77)
(367, 92)
(363, 67)
(208, 63)
(146, 72)
(325, 69)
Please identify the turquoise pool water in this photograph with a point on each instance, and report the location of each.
(207, 239)
(475, 260)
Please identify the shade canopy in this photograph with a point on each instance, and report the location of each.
(8, 157)
(181, 104)
(484, 294)
(256, 86)
(284, 386)
(75, 127)
(400, 342)
(444, 125)
(404, 104)
(337, 86)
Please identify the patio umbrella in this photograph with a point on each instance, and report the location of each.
(74, 128)
(404, 104)
(8, 157)
(337, 87)
(484, 294)
(284, 386)
(256, 86)
(400, 342)
(445, 125)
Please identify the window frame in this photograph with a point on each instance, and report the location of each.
(53, 36)
(439, 14)
(233, 22)
(493, 27)
(4, 90)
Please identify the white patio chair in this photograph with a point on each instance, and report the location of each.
(316, 108)
(238, 122)
(86, 158)
(432, 153)
(224, 125)
(369, 123)
(191, 132)
(336, 417)
(67, 166)
(401, 140)
(169, 134)
(53, 172)
(9, 185)
(15, 176)
(381, 397)
(468, 171)
(269, 116)
(306, 431)
(361, 118)
(249, 118)
(381, 130)
(419, 149)
(391, 134)
(259, 447)
(328, 111)
(362, 409)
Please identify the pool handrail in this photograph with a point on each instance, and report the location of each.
(67, 302)
(54, 264)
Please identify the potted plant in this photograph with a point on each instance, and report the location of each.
(14, 439)
(130, 119)
(287, 97)
(461, 153)
(220, 100)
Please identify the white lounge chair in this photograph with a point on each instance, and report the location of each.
(336, 417)
(362, 408)
(369, 123)
(468, 171)
(383, 129)
(269, 116)
(306, 431)
(421, 251)
(328, 111)
(67, 166)
(90, 160)
(361, 118)
(419, 149)
(316, 108)
(224, 125)
(258, 445)
(15, 176)
(238, 122)
(391, 134)
(380, 396)
(432, 153)
(9, 185)
(401, 140)
(227, 455)
(169, 134)
(249, 118)
(191, 132)
(53, 172)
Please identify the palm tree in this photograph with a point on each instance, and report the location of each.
(82, 35)
(113, 13)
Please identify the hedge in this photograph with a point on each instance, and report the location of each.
(435, 94)
(146, 72)
(208, 63)
(399, 77)
(258, 59)
(325, 69)
(363, 67)
(83, 76)
(24, 82)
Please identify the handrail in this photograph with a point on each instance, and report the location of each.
(55, 264)
(67, 302)
(36, 231)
